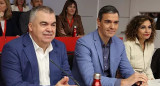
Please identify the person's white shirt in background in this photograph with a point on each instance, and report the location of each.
(15, 8)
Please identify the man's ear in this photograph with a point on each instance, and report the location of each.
(98, 22)
(30, 26)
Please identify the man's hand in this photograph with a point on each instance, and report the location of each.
(63, 82)
(144, 84)
(135, 78)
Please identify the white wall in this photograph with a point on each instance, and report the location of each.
(157, 40)
(88, 11)
(56, 5)
(144, 6)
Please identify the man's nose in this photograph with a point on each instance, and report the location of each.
(49, 28)
(112, 25)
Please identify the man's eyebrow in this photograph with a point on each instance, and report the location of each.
(43, 22)
(47, 22)
(54, 23)
(107, 20)
(116, 21)
(110, 20)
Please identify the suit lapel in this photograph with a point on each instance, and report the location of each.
(31, 55)
(53, 56)
(1, 29)
(98, 47)
(67, 28)
(113, 55)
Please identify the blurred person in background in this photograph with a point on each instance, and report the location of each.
(8, 21)
(19, 5)
(24, 18)
(69, 18)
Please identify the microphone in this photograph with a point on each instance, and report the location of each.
(65, 72)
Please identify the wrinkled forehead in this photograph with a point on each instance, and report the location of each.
(45, 16)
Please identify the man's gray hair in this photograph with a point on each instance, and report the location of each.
(39, 8)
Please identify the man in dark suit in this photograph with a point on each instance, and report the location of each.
(26, 60)
(24, 18)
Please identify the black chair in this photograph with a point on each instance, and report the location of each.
(70, 59)
(16, 15)
(155, 64)
(1, 80)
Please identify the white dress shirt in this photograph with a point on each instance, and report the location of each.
(43, 63)
(2, 25)
(139, 59)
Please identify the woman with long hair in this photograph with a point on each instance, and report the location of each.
(8, 24)
(68, 19)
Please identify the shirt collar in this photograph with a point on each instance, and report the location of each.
(102, 43)
(137, 41)
(36, 47)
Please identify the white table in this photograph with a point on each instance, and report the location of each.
(155, 82)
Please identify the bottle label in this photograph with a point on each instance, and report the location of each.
(74, 32)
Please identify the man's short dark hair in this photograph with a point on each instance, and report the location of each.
(107, 9)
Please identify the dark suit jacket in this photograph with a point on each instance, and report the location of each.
(155, 64)
(20, 66)
(12, 28)
(158, 22)
(62, 23)
(23, 22)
